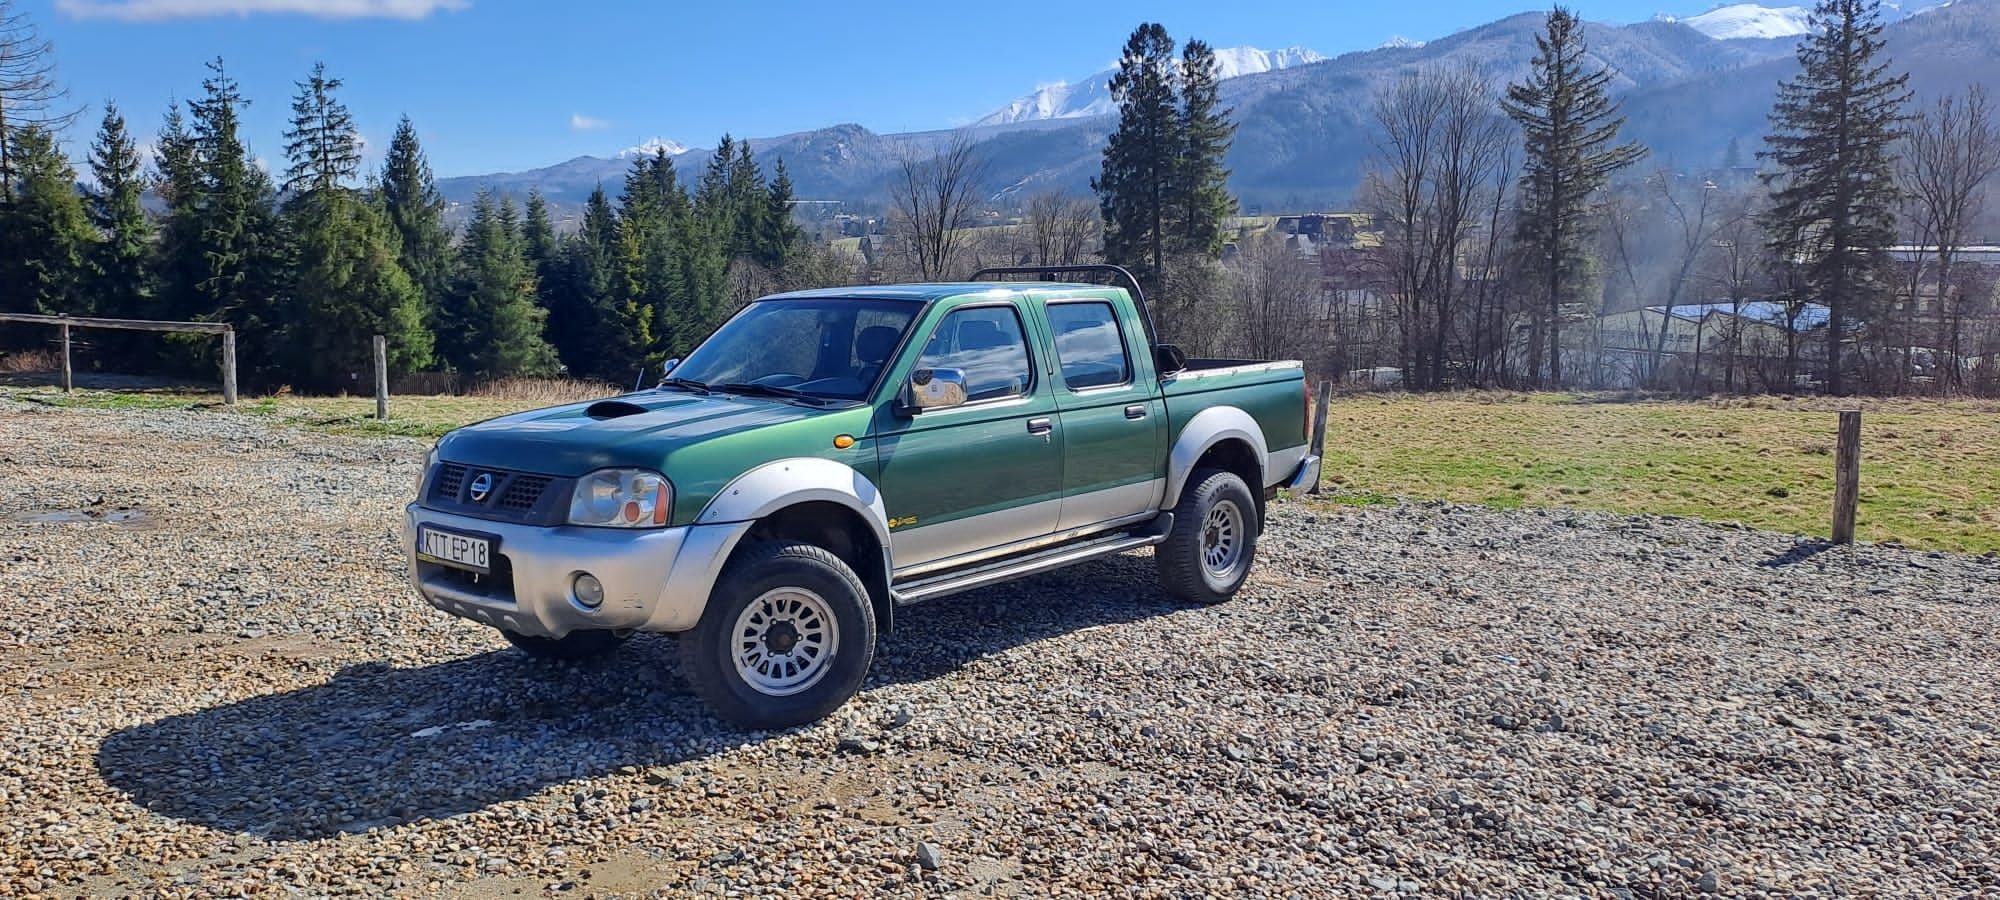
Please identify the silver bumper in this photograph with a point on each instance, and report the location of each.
(1307, 477)
(655, 580)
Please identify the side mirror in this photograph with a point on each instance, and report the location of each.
(667, 368)
(1168, 359)
(935, 389)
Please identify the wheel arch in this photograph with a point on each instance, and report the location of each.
(1222, 437)
(818, 501)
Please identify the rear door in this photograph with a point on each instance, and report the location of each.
(972, 478)
(1113, 420)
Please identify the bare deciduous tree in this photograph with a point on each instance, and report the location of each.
(1951, 152)
(1274, 290)
(1440, 139)
(29, 94)
(936, 200)
(1061, 229)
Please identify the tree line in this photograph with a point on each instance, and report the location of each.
(308, 263)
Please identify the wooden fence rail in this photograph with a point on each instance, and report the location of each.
(65, 323)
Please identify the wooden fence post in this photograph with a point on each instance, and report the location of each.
(1319, 425)
(381, 378)
(68, 385)
(229, 367)
(1847, 476)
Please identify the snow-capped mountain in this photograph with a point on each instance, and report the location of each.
(1091, 95)
(654, 145)
(1740, 21)
(1400, 42)
(1748, 20)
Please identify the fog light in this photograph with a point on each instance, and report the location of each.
(588, 590)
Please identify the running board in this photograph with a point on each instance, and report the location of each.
(935, 586)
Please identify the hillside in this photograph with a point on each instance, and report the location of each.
(1304, 129)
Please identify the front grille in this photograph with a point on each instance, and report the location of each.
(522, 492)
(523, 497)
(450, 477)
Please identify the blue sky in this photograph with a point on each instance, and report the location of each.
(497, 85)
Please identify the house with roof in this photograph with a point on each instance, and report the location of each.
(1709, 341)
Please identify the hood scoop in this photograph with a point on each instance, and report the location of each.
(613, 409)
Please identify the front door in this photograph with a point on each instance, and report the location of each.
(1112, 419)
(971, 478)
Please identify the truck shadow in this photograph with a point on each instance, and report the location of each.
(377, 746)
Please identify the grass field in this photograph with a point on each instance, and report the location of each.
(1930, 470)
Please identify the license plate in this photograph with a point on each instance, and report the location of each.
(453, 549)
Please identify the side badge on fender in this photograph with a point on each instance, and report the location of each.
(903, 522)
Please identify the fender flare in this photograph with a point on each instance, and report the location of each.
(1209, 427)
(804, 479)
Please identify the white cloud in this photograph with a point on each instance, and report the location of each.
(162, 10)
(581, 122)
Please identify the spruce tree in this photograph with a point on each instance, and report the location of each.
(45, 239)
(1570, 128)
(121, 274)
(177, 260)
(1832, 143)
(494, 325)
(416, 210)
(578, 292)
(779, 235)
(1200, 194)
(321, 144)
(1142, 158)
(345, 283)
(231, 221)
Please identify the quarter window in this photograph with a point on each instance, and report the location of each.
(988, 345)
(1089, 347)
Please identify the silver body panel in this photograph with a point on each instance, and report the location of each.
(654, 579)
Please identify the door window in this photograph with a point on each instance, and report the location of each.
(1089, 347)
(988, 344)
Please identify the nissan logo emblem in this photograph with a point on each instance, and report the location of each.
(482, 485)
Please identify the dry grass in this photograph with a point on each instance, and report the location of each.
(1928, 466)
(550, 391)
(20, 362)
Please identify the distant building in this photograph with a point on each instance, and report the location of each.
(1703, 338)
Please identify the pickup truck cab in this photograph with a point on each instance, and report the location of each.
(827, 458)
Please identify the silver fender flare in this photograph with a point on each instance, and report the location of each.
(764, 490)
(1209, 427)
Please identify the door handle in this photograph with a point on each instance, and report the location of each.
(1135, 411)
(1043, 425)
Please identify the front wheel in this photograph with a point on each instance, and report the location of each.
(1207, 556)
(787, 637)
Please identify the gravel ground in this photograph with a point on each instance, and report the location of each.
(216, 682)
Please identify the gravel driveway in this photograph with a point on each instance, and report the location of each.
(216, 682)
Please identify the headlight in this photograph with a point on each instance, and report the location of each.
(622, 498)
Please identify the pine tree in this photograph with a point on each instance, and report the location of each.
(580, 289)
(779, 236)
(1142, 157)
(121, 277)
(346, 283)
(1833, 136)
(45, 239)
(230, 218)
(1201, 197)
(1570, 128)
(322, 144)
(177, 260)
(416, 210)
(495, 326)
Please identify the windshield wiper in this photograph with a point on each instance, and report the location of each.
(687, 384)
(771, 390)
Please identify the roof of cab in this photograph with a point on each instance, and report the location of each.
(941, 290)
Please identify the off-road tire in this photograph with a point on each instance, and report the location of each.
(1185, 573)
(576, 646)
(708, 657)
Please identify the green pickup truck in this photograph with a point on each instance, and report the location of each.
(828, 457)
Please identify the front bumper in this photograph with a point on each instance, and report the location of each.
(1307, 477)
(654, 580)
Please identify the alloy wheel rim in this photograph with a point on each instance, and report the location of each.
(784, 641)
(1222, 538)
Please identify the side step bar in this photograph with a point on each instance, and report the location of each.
(935, 586)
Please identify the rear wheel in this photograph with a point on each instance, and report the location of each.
(787, 637)
(1207, 556)
(572, 647)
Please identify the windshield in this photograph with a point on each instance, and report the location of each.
(820, 347)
